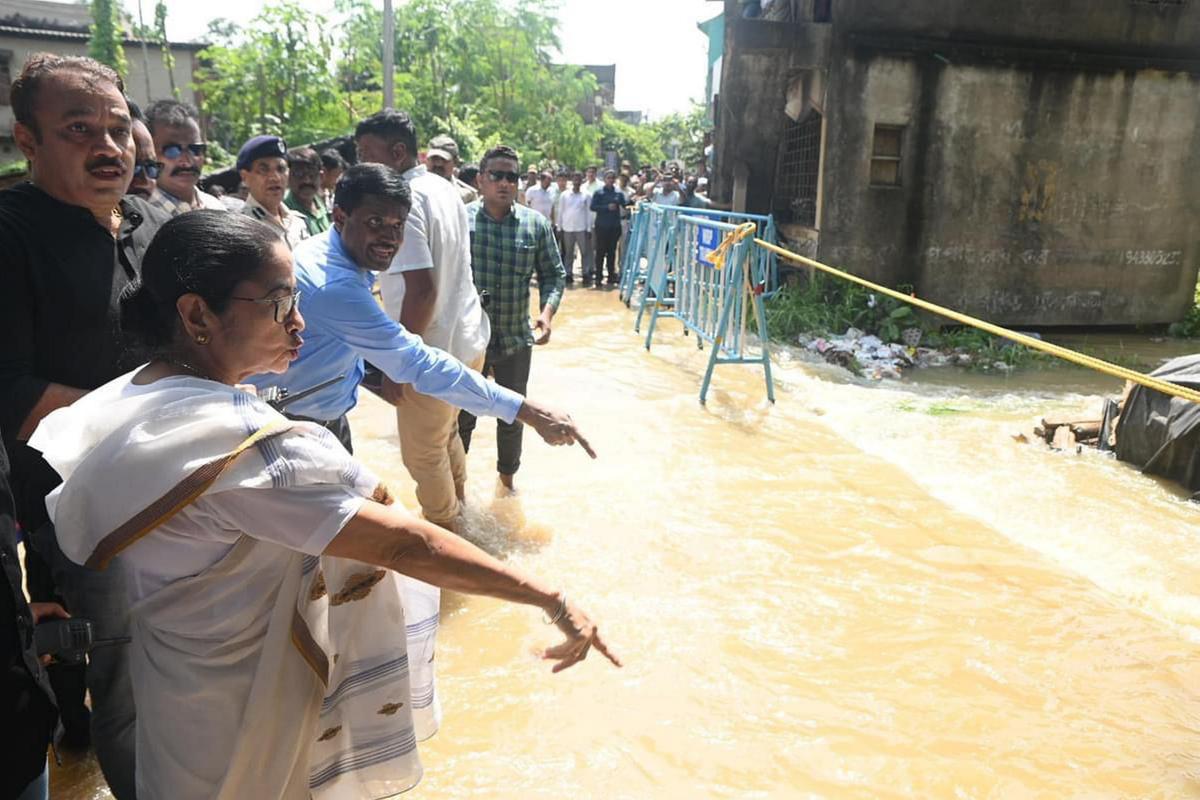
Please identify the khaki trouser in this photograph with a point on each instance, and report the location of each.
(433, 453)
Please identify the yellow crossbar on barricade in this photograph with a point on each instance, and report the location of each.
(1075, 357)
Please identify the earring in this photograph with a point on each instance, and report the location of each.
(201, 338)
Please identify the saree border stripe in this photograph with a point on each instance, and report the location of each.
(175, 500)
(365, 755)
(308, 648)
(356, 683)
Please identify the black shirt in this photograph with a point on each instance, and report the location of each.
(26, 700)
(605, 216)
(61, 276)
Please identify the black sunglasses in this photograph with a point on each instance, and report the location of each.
(151, 169)
(499, 175)
(283, 305)
(174, 151)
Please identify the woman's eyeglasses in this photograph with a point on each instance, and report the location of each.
(499, 175)
(151, 169)
(173, 151)
(284, 306)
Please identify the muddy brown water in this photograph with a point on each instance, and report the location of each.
(864, 591)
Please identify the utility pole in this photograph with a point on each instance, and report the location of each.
(389, 55)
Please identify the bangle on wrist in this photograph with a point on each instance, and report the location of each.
(559, 613)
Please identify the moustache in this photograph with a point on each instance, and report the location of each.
(105, 162)
(312, 186)
(185, 171)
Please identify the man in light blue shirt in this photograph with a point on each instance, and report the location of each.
(345, 325)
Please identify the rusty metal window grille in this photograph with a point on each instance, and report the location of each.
(800, 163)
(885, 155)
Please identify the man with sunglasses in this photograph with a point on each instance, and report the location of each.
(175, 127)
(145, 166)
(510, 244)
(71, 239)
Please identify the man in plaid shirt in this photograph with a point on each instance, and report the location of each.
(509, 245)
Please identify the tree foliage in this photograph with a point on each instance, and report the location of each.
(106, 43)
(160, 35)
(480, 70)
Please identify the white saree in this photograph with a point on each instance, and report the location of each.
(270, 673)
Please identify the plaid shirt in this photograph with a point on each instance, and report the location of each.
(172, 205)
(505, 254)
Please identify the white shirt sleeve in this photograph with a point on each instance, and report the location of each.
(415, 252)
(303, 518)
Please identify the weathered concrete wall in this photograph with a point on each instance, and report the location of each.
(1030, 194)
(761, 60)
(1126, 26)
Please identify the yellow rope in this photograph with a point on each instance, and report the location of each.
(1166, 387)
(745, 230)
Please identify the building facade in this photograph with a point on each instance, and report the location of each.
(36, 26)
(1029, 162)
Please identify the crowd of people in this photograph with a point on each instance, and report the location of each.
(176, 370)
(591, 215)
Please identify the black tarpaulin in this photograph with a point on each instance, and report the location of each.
(1161, 435)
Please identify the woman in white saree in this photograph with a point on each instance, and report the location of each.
(262, 560)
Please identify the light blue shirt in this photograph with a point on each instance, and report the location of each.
(345, 325)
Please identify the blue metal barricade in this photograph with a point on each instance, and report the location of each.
(715, 286)
(637, 260)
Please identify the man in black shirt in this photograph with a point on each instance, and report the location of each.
(26, 700)
(607, 202)
(71, 244)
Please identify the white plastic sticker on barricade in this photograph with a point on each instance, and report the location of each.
(707, 240)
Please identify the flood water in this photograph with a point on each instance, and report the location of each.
(864, 591)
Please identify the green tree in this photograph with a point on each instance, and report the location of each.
(273, 76)
(687, 130)
(637, 144)
(107, 35)
(160, 33)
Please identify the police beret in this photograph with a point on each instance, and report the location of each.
(260, 147)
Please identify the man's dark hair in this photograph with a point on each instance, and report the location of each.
(391, 126)
(135, 110)
(370, 180)
(170, 113)
(24, 90)
(499, 151)
(331, 159)
(303, 155)
(206, 252)
(468, 174)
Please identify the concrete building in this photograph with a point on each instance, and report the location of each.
(34, 26)
(1031, 162)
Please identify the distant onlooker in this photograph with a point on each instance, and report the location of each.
(541, 197)
(177, 142)
(442, 159)
(332, 166)
(304, 189)
(572, 212)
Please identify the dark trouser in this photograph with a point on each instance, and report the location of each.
(562, 251)
(99, 595)
(339, 427)
(606, 253)
(512, 372)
